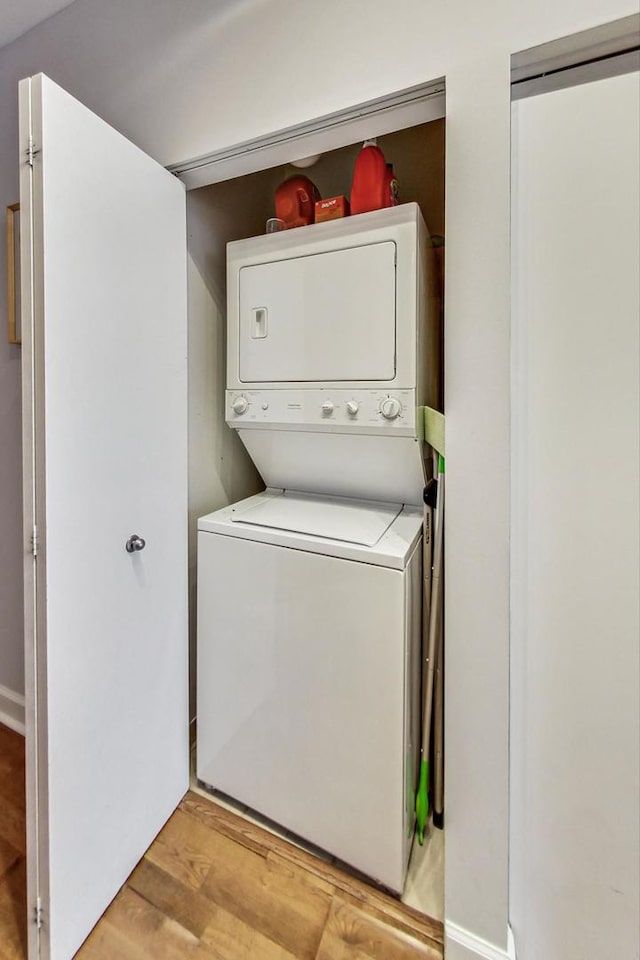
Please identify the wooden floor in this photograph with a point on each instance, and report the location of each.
(213, 886)
(13, 879)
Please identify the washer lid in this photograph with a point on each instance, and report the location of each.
(395, 545)
(352, 521)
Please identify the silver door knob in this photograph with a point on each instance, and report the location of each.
(135, 543)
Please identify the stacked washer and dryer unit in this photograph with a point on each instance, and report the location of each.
(310, 594)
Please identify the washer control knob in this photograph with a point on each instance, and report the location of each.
(327, 408)
(240, 405)
(390, 408)
(352, 407)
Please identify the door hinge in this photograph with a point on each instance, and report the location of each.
(39, 914)
(35, 542)
(31, 151)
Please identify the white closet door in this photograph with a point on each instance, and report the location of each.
(575, 737)
(104, 333)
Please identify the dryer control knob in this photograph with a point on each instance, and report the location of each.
(240, 405)
(352, 407)
(327, 408)
(390, 408)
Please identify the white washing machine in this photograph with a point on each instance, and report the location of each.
(309, 666)
(309, 595)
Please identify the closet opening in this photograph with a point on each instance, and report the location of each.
(221, 470)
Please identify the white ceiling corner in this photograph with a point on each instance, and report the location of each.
(18, 16)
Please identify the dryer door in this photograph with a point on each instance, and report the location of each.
(325, 317)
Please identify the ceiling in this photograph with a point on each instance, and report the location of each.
(18, 16)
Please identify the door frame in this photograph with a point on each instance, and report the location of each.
(34, 516)
(396, 111)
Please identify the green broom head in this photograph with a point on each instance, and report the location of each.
(422, 801)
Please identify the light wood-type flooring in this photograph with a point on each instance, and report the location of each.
(13, 875)
(214, 886)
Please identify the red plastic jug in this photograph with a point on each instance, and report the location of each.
(295, 201)
(374, 185)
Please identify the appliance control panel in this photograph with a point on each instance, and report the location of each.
(350, 411)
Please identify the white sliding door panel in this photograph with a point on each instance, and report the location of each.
(108, 735)
(575, 734)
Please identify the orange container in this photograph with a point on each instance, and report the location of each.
(294, 201)
(331, 209)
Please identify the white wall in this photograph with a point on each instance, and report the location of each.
(184, 79)
(575, 884)
(220, 470)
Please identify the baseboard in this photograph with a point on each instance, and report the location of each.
(12, 709)
(461, 944)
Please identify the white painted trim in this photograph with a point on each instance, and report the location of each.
(461, 944)
(12, 709)
(608, 50)
(596, 43)
(584, 73)
(405, 108)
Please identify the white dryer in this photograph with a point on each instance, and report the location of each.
(309, 595)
